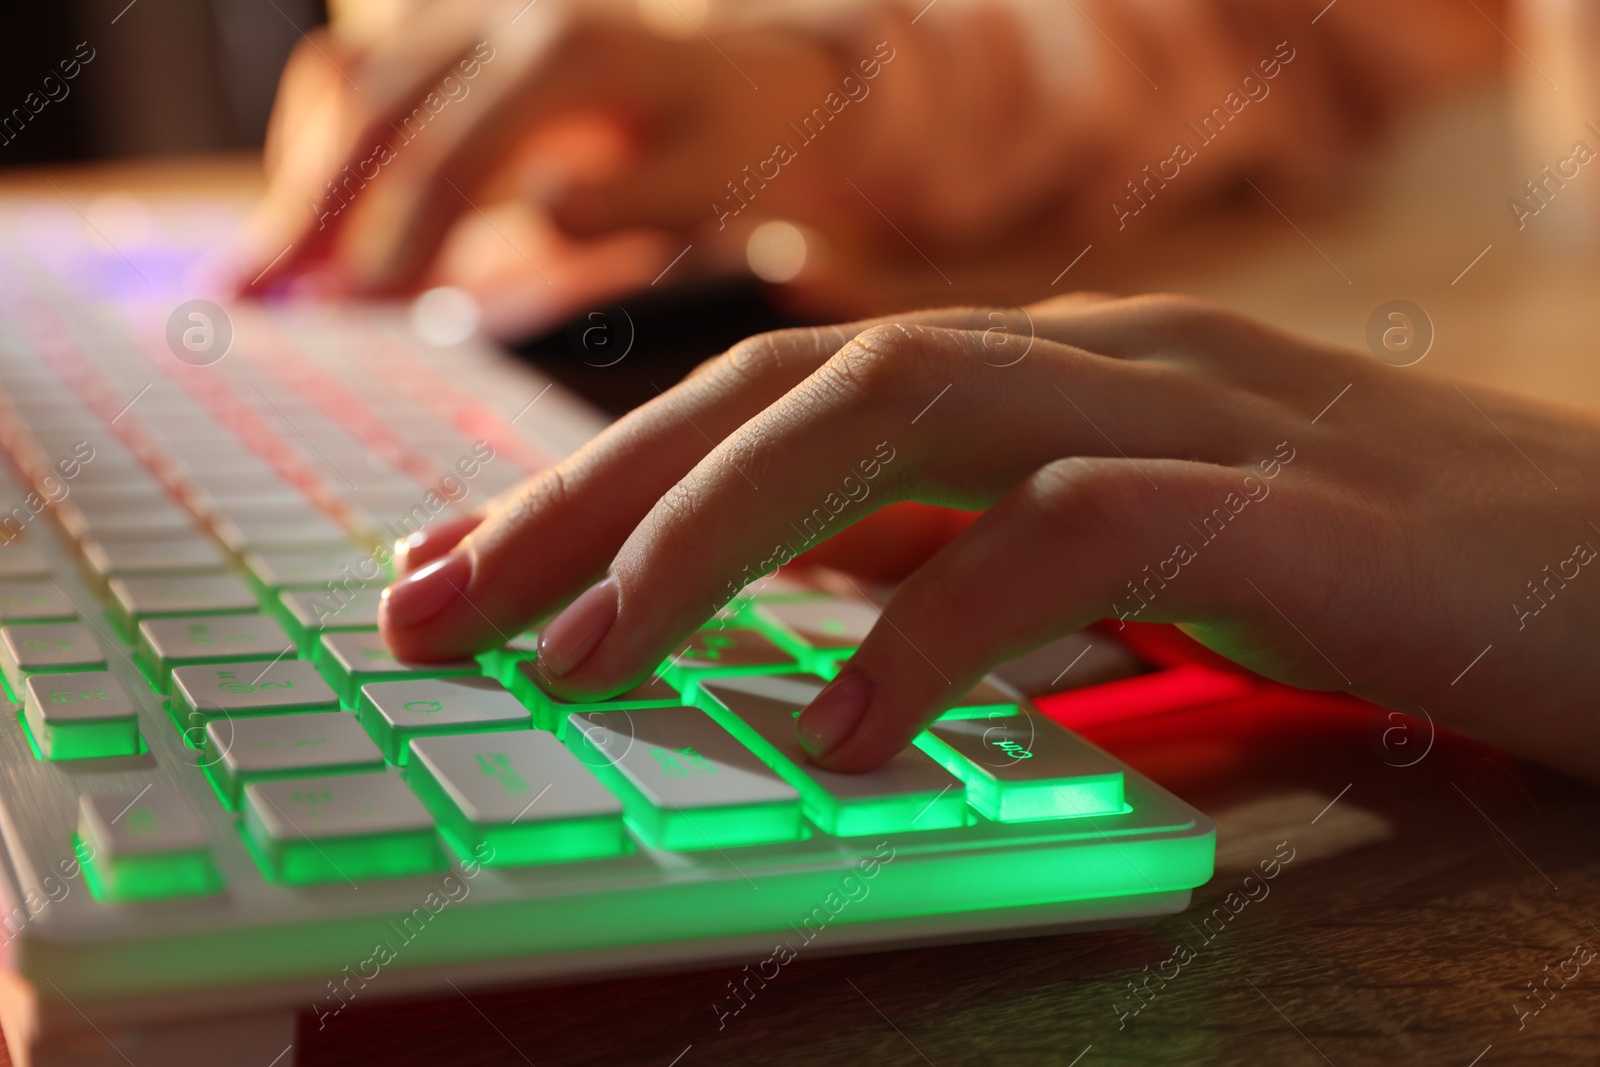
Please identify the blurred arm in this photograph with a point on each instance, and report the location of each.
(996, 112)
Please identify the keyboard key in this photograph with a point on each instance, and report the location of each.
(276, 746)
(203, 692)
(132, 523)
(1025, 766)
(281, 568)
(911, 792)
(169, 555)
(48, 648)
(823, 624)
(148, 844)
(350, 660)
(389, 517)
(34, 601)
(519, 798)
(684, 781)
(22, 560)
(395, 713)
(552, 711)
(100, 499)
(309, 614)
(720, 653)
(142, 597)
(241, 533)
(980, 701)
(174, 641)
(340, 828)
(270, 492)
(83, 715)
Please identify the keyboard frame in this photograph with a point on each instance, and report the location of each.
(221, 979)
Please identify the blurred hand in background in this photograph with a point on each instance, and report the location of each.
(588, 142)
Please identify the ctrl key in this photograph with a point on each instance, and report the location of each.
(83, 715)
(339, 828)
(145, 845)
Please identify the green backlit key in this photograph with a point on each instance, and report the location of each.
(339, 828)
(395, 713)
(500, 663)
(138, 597)
(242, 533)
(516, 798)
(147, 844)
(279, 746)
(18, 559)
(204, 692)
(1025, 766)
(181, 640)
(48, 648)
(34, 601)
(82, 715)
(723, 652)
(552, 711)
(685, 782)
(190, 554)
(820, 630)
(150, 520)
(982, 700)
(309, 613)
(910, 792)
(350, 660)
(285, 568)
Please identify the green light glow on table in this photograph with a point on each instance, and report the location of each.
(517, 844)
(156, 877)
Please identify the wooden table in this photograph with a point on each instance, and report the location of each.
(1425, 895)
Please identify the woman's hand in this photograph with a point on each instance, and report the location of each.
(374, 152)
(1314, 514)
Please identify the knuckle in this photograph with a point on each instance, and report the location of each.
(676, 509)
(776, 353)
(1177, 312)
(885, 360)
(545, 493)
(1075, 301)
(1092, 497)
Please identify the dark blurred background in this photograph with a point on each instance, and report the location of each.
(167, 76)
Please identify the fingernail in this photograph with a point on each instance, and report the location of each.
(418, 597)
(834, 715)
(572, 636)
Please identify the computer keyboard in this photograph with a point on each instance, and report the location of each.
(224, 798)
